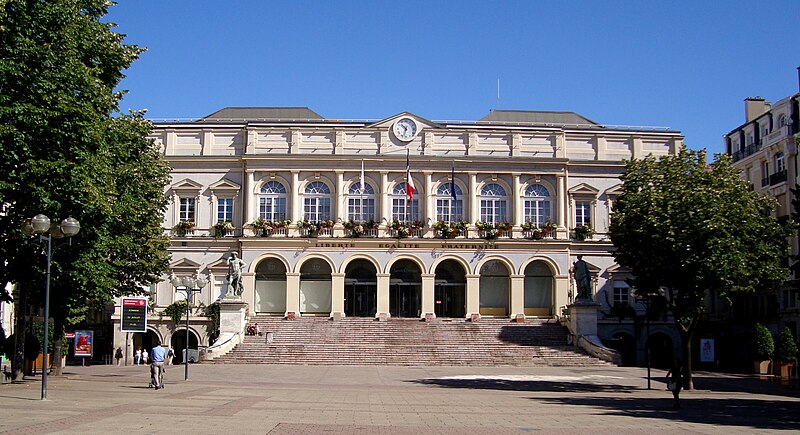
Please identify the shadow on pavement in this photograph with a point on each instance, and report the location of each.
(511, 385)
(757, 413)
(710, 382)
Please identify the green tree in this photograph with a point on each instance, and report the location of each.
(685, 228)
(66, 151)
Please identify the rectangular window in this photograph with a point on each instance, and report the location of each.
(493, 211)
(780, 163)
(583, 213)
(272, 209)
(361, 209)
(621, 296)
(449, 211)
(186, 212)
(537, 211)
(403, 210)
(225, 209)
(317, 209)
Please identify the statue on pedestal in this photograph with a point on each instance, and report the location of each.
(236, 268)
(583, 280)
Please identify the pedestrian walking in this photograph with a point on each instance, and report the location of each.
(137, 357)
(145, 356)
(118, 356)
(170, 355)
(157, 366)
(675, 382)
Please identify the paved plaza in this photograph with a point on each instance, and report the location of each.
(267, 399)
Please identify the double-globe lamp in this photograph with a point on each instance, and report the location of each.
(190, 285)
(41, 226)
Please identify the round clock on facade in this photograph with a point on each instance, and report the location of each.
(405, 129)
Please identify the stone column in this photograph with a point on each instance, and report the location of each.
(383, 296)
(386, 213)
(428, 303)
(427, 216)
(516, 201)
(249, 198)
(473, 297)
(292, 295)
(562, 206)
(249, 294)
(561, 296)
(518, 298)
(295, 209)
(474, 213)
(337, 295)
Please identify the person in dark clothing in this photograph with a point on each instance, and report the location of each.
(675, 382)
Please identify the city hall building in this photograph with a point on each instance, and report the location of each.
(402, 217)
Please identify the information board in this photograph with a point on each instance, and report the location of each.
(84, 341)
(134, 315)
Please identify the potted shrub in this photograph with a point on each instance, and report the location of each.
(183, 227)
(583, 231)
(222, 228)
(532, 231)
(763, 348)
(786, 353)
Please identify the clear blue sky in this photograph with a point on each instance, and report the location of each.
(687, 65)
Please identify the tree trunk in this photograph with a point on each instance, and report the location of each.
(686, 342)
(18, 359)
(58, 339)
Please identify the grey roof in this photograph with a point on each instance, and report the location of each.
(537, 118)
(262, 114)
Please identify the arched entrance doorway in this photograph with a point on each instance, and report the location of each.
(450, 289)
(315, 287)
(661, 350)
(538, 289)
(178, 343)
(405, 289)
(144, 341)
(625, 344)
(360, 289)
(270, 287)
(495, 285)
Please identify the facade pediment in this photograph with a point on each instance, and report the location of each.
(184, 264)
(224, 184)
(187, 185)
(583, 189)
(389, 122)
(614, 191)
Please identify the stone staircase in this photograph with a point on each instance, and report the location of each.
(408, 342)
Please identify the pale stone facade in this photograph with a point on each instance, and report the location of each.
(290, 164)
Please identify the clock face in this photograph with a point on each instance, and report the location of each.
(405, 129)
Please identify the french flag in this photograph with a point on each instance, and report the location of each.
(410, 189)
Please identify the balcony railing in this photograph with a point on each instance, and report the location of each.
(747, 151)
(778, 177)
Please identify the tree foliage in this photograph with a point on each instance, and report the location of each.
(66, 151)
(684, 228)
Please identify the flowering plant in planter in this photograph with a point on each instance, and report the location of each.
(450, 230)
(583, 231)
(221, 228)
(183, 227)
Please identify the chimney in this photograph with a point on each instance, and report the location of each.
(755, 107)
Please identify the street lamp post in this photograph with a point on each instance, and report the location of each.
(40, 225)
(189, 284)
(644, 300)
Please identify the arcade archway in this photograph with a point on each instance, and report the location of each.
(495, 289)
(315, 287)
(405, 289)
(538, 289)
(450, 289)
(360, 289)
(270, 287)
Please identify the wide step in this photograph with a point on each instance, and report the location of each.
(408, 342)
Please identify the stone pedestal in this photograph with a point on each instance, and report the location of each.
(232, 316)
(429, 317)
(583, 318)
(474, 317)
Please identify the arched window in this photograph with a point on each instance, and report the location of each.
(402, 209)
(272, 201)
(536, 205)
(494, 204)
(361, 205)
(782, 121)
(317, 202)
(448, 208)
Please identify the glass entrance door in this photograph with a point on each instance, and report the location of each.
(360, 299)
(449, 300)
(405, 300)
